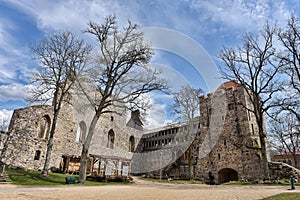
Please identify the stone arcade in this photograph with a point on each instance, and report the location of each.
(120, 145)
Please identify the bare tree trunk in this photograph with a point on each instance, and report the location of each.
(49, 146)
(85, 150)
(264, 154)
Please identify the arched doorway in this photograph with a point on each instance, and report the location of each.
(226, 175)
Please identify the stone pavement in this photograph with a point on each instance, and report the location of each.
(143, 190)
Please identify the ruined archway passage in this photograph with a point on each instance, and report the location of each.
(226, 175)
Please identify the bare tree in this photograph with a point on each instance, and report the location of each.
(62, 56)
(121, 74)
(187, 106)
(255, 67)
(186, 103)
(290, 56)
(285, 135)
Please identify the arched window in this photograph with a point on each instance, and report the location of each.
(44, 127)
(111, 139)
(81, 132)
(131, 144)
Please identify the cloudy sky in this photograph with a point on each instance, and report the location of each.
(186, 35)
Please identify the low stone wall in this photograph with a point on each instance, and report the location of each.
(279, 170)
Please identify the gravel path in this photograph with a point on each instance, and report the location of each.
(142, 190)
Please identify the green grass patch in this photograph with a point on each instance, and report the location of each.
(284, 196)
(30, 177)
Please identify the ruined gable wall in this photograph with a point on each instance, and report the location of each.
(24, 140)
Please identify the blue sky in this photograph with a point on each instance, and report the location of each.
(195, 31)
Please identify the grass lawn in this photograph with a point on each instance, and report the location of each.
(284, 196)
(30, 177)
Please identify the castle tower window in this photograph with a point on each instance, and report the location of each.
(44, 127)
(111, 139)
(219, 156)
(111, 118)
(131, 143)
(252, 129)
(37, 155)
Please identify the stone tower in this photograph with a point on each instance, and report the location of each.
(229, 136)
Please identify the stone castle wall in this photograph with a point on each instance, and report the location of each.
(24, 140)
(225, 132)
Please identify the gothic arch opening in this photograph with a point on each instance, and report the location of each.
(44, 127)
(226, 175)
(131, 143)
(81, 132)
(111, 139)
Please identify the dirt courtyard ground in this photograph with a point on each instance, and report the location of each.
(142, 191)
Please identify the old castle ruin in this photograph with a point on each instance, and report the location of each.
(216, 141)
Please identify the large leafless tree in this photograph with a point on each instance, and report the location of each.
(120, 73)
(255, 67)
(289, 38)
(62, 56)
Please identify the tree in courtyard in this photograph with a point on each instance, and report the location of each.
(255, 67)
(62, 56)
(285, 135)
(186, 103)
(120, 75)
(289, 38)
(187, 106)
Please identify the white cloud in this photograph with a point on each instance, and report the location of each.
(247, 15)
(69, 14)
(13, 91)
